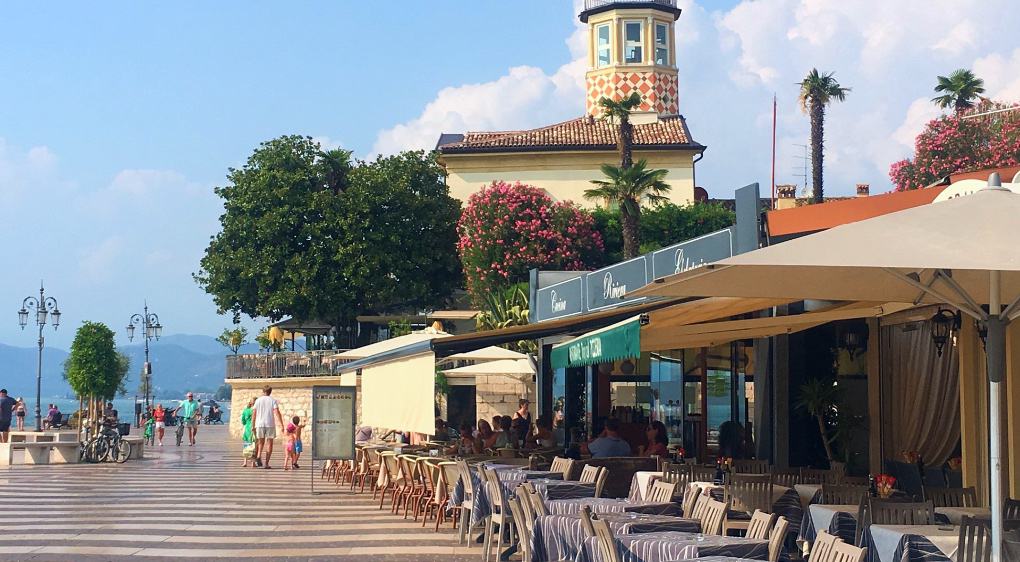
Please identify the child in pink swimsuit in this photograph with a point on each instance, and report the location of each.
(294, 447)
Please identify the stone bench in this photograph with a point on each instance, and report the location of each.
(137, 446)
(35, 453)
(62, 452)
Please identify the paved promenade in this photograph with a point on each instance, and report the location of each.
(184, 503)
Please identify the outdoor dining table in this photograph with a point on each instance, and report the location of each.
(559, 537)
(641, 482)
(611, 505)
(669, 546)
(912, 543)
(954, 515)
(809, 493)
(547, 484)
(785, 501)
(839, 520)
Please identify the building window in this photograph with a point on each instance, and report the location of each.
(662, 44)
(633, 47)
(602, 45)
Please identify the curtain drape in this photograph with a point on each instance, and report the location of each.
(921, 394)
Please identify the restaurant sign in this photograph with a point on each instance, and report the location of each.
(608, 287)
(619, 341)
(333, 422)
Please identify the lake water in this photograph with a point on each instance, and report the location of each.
(124, 406)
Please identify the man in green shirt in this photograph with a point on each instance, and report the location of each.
(189, 412)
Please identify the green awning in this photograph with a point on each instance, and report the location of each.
(618, 341)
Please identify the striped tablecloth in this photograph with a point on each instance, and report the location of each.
(550, 489)
(641, 482)
(912, 543)
(665, 547)
(839, 520)
(611, 505)
(559, 537)
(785, 501)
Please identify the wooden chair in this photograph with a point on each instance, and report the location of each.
(843, 495)
(842, 552)
(951, 497)
(749, 493)
(700, 505)
(676, 473)
(589, 474)
(689, 500)
(600, 481)
(713, 517)
(517, 513)
(606, 541)
(777, 538)
(391, 468)
(538, 504)
(702, 474)
(786, 478)
(564, 465)
(450, 476)
(500, 516)
(885, 512)
(427, 476)
(760, 525)
(1011, 510)
(586, 521)
(816, 476)
(747, 466)
(467, 504)
(661, 492)
(975, 541)
(821, 550)
(854, 481)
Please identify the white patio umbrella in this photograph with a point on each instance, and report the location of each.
(961, 252)
(491, 353)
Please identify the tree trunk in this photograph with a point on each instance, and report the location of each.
(625, 144)
(825, 438)
(817, 144)
(631, 236)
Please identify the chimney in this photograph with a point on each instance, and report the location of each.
(863, 189)
(787, 196)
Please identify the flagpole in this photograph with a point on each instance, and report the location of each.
(773, 151)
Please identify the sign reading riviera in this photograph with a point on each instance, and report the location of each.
(608, 287)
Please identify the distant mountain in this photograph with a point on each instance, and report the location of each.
(180, 363)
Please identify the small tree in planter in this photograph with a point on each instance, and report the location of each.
(233, 339)
(94, 369)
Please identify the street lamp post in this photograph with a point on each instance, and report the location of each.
(151, 329)
(44, 307)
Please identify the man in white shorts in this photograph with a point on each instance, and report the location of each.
(266, 418)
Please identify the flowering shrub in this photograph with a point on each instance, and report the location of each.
(952, 144)
(508, 229)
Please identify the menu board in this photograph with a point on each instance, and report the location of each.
(333, 422)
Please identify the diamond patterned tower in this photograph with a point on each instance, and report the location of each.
(631, 48)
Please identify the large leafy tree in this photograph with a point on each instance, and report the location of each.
(619, 111)
(508, 229)
(311, 234)
(960, 90)
(628, 188)
(954, 143)
(93, 367)
(661, 225)
(818, 90)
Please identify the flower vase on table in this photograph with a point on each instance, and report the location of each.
(884, 485)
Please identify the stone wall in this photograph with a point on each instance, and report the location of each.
(499, 395)
(293, 394)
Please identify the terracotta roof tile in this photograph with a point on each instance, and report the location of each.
(576, 134)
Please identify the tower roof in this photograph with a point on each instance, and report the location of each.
(592, 7)
(584, 133)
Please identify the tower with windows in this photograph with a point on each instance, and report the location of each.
(631, 48)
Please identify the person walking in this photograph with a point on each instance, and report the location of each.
(19, 413)
(159, 415)
(6, 412)
(247, 435)
(265, 420)
(189, 413)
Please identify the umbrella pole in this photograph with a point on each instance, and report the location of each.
(996, 357)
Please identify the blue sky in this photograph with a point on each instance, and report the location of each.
(117, 118)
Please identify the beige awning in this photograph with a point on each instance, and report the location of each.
(391, 344)
(491, 353)
(400, 394)
(452, 314)
(504, 367)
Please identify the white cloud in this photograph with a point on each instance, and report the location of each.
(97, 263)
(328, 143)
(1001, 74)
(961, 38)
(920, 112)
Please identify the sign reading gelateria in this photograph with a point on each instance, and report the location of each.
(333, 422)
(608, 287)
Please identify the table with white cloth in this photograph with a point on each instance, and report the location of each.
(548, 484)
(809, 493)
(839, 520)
(912, 543)
(954, 515)
(559, 537)
(641, 482)
(669, 546)
(610, 505)
(785, 501)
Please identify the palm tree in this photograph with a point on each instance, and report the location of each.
(817, 90)
(819, 399)
(627, 187)
(620, 111)
(959, 90)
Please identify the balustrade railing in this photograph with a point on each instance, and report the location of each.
(283, 364)
(594, 4)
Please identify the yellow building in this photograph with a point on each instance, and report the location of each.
(631, 48)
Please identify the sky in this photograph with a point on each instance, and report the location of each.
(117, 119)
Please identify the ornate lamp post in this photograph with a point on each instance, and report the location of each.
(44, 307)
(151, 329)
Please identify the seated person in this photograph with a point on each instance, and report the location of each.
(466, 444)
(442, 433)
(486, 437)
(504, 438)
(609, 444)
(52, 415)
(657, 441)
(544, 437)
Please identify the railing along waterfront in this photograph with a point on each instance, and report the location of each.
(594, 4)
(283, 364)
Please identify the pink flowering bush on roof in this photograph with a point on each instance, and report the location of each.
(952, 144)
(508, 229)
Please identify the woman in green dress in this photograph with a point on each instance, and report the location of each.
(247, 437)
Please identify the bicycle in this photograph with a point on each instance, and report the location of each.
(180, 432)
(108, 445)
